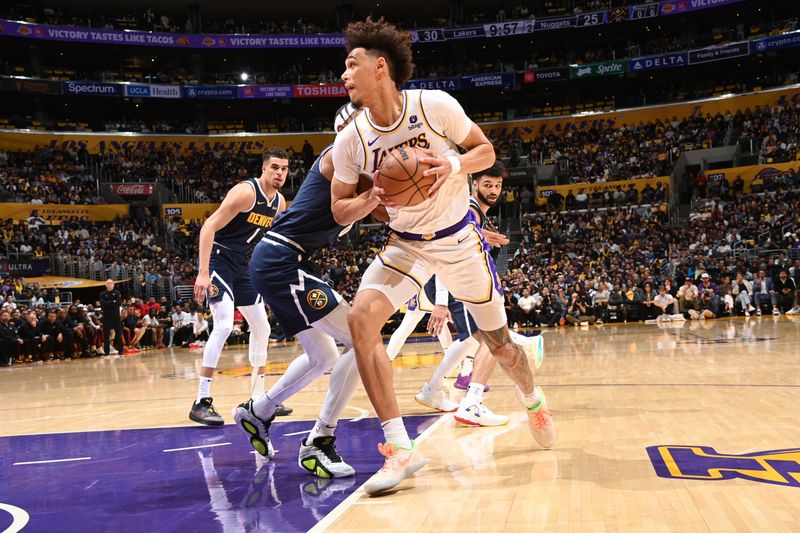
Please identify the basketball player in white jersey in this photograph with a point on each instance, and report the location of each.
(416, 308)
(226, 239)
(433, 237)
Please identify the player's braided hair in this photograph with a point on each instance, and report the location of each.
(383, 39)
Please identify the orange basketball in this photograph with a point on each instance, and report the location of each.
(401, 176)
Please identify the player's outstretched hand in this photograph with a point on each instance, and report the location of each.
(201, 285)
(494, 238)
(440, 317)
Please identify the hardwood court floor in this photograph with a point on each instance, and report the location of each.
(687, 427)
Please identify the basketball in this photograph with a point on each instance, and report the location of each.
(401, 176)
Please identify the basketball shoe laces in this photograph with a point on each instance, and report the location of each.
(389, 451)
(541, 419)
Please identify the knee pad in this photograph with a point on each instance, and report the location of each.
(320, 348)
(256, 317)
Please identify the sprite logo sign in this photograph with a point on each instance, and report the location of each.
(607, 68)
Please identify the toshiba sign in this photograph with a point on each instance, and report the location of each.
(325, 90)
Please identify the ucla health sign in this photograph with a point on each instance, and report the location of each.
(140, 90)
(90, 88)
(659, 61)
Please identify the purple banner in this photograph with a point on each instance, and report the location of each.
(675, 7)
(265, 91)
(176, 40)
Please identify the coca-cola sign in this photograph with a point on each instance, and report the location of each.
(132, 189)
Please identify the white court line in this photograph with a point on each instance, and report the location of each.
(351, 500)
(362, 414)
(196, 447)
(52, 461)
(296, 433)
(19, 517)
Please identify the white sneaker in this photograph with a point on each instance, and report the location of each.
(758, 312)
(113, 351)
(478, 415)
(533, 346)
(793, 311)
(321, 459)
(747, 314)
(400, 464)
(540, 421)
(435, 399)
(776, 311)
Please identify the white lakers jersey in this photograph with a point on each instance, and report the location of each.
(430, 119)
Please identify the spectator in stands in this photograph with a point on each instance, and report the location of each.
(133, 328)
(725, 293)
(707, 307)
(550, 311)
(10, 342)
(785, 290)
(795, 275)
(742, 291)
(182, 328)
(600, 302)
(512, 310)
(649, 309)
(576, 311)
(526, 309)
(664, 301)
(32, 337)
(687, 295)
(199, 329)
(154, 327)
(764, 292)
(706, 283)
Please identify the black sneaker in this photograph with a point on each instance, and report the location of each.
(203, 412)
(282, 410)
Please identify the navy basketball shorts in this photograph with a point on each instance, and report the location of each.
(229, 275)
(295, 294)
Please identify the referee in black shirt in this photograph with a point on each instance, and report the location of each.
(110, 301)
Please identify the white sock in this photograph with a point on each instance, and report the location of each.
(265, 407)
(532, 399)
(452, 356)
(395, 432)
(321, 429)
(256, 385)
(204, 390)
(474, 393)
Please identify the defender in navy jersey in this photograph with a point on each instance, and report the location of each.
(486, 188)
(308, 308)
(226, 238)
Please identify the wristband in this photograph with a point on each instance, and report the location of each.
(455, 164)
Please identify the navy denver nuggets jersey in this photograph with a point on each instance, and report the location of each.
(246, 228)
(481, 216)
(309, 222)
